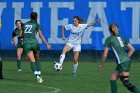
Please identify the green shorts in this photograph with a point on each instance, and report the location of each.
(20, 45)
(125, 66)
(29, 47)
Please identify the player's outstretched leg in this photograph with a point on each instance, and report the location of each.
(65, 50)
(128, 85)
(62, 57)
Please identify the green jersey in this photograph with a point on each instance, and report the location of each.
(17, 32)
(30, 30)
(118, 45)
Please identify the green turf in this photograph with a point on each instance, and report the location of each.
(89, 80)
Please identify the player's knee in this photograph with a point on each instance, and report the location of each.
(113, 77)
(18, 57)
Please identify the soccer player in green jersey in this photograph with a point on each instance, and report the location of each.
(31, 45)
(119, 45)
(19, 45)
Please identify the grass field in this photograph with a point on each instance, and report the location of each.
(89, 80)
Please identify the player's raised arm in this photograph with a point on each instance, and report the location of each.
(92, 23)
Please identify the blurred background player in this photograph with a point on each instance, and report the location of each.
(74, 41)
(1, 75)
(17, 32)
(31, 45)
(119, 45)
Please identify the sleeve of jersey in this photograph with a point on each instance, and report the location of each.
(38, 27)
(13, 34)
(107, 43)
(68, 27)
(84, 26)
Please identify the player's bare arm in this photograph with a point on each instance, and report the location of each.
(131, 50)
(104, 56)
(93, 23)
(44, 40)
(14, 42)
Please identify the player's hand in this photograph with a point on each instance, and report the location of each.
(100, 67)
(98, 20)
(63, 38)
(49, 47)
(15, 45)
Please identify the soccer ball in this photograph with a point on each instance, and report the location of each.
(58, 66)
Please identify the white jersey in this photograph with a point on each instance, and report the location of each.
(75, 33)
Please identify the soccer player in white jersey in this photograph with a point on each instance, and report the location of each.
(74, 40)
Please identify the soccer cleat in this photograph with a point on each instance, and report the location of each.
(19, 70)
(74, 74)
(136, 90)
(39, 79)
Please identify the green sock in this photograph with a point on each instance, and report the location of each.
(38, 65)
(113, 86)
(136, 90)
(19, 64)
(33, 66)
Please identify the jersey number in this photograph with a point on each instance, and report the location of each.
(120, 41)
(28, 29)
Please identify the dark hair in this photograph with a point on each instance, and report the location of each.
(33, 16)
(79, 19)
(110, 29)
(19, 21)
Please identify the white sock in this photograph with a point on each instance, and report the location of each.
(62, 57)
(37, 73)
(75, 67)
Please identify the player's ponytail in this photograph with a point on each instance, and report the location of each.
(33, 16)
(79, 19)
(111, 31)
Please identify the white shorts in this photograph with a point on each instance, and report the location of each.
(75, 47)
